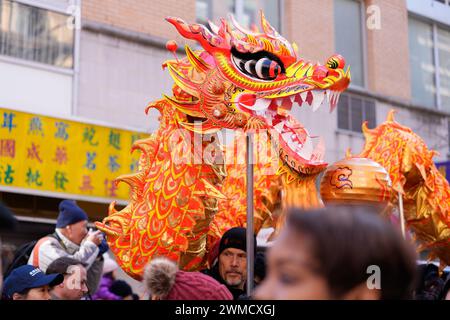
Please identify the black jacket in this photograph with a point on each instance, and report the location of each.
(237, 293)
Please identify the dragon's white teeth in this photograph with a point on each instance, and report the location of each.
(292, 98)
(318, 97)
(261, 104)
(279, 102)
(303, 95)
(319, 151)
(306, 151)
(286, 136)
(337, 97)
(279, 126)
(327, 96)
(292, 145)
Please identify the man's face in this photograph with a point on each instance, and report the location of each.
(77, 231)
(233, 267)
(41, 293)
(74, 286)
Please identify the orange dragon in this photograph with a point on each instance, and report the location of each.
(184, 194)
(425, 192)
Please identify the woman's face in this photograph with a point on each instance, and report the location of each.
(292, 272)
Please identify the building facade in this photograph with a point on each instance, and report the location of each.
(98, 62)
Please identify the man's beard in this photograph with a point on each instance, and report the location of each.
(235, 282)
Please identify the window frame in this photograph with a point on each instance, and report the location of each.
(44, 66)
(75, 70)
(42, 5)
(365, 77)
(363, 99)
(434, 25)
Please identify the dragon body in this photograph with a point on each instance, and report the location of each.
(190, 188)
(414, 176)
(184, 195)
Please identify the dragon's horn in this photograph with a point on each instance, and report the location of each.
(196, 61)
(390, 116)
(213, 26)
(184, 83)
(238, 27)
(348, 153)
(191, 108)
(267, 28)
(199, 33)
(365, 128)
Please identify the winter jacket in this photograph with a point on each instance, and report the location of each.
(103, 292)
(50, 249)
(238, 294)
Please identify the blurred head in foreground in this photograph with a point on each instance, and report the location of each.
(166, 282)
(338, 253)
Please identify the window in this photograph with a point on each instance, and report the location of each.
(429, 58)
(245, 11)
(35, 34)
(443, 39)
(353, 111)
(348, 28)
(448, 137)
(421, 60)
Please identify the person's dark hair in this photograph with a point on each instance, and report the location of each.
(260, 265)
(446, 288)
(61, 265)
(429, 284)
(121, 288)
(22, 293)
(345, 241)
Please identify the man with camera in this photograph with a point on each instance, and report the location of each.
(72, 239)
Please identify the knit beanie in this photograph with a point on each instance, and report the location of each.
(164, 280)
(235, 238)
(69, 213)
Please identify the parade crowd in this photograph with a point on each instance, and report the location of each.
(330, 253)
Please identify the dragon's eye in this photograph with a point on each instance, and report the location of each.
(257, 65)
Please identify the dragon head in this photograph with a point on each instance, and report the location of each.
(250, 80)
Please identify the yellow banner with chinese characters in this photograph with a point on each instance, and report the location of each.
(55, 155)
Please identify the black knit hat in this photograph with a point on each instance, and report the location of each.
(69, 213)
(235, 238)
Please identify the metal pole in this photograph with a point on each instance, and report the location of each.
(250, 232)
(402, 214)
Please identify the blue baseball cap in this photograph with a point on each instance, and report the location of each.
(29, 277)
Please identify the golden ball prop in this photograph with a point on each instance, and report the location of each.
(355, 181)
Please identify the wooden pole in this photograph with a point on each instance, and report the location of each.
(401, 213)
(250, 233)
